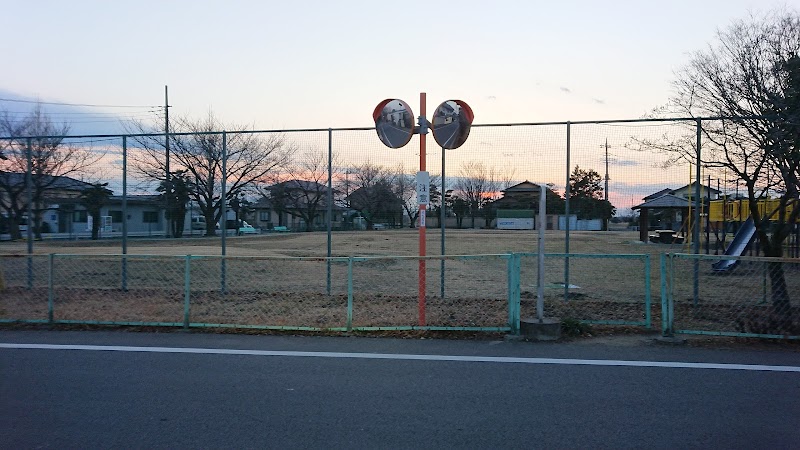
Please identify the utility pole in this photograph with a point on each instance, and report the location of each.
(605, 191)
(168, 190)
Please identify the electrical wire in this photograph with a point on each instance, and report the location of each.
(78, 104)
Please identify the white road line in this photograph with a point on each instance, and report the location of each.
(406, 357)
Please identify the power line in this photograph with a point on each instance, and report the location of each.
(87, 113)
(78, 104)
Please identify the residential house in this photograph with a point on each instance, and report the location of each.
(518, 206)
(54, 188)
(145, 216)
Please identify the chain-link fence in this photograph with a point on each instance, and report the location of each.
(24, 287)
(461, 293)
(661, 176)
(731, 296)
(332, 176)
(603, 289)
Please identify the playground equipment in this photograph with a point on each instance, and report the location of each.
(741, 240)
(726, 214)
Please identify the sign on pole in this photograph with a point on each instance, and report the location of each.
(423, 188)
(394, 123)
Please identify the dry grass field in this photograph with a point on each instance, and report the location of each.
(267, 287)
(401, 242)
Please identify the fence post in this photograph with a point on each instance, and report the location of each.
(125, 213)
(671, 297)
(50, 293)
(647, 313)
(517, 293)
(29, 231)
(329, 197)
(187, 281)
(566, 218)
(664, 312)
(350, 294)
(224, 206)
(513, 276)
(124, 272)
(696, 230)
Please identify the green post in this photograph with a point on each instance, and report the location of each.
(664, 312)
(515, 328)
(350, 293)
(513, 276)
(647, 312)
(50, 293)
(764, 283)
(671, 297)
(510, 288)
(187, 281)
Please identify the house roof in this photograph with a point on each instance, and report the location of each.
(311, 186)
(263, 202)
(266, 203)
(658, 194)
(54, 182)
(525, 186)
(113, 201)
(138, 199)
(706, 189)
(702, 186)
(664, 202)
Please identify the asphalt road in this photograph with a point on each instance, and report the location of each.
(166, 391)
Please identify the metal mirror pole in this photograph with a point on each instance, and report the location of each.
(124, 213)
(540, 251)
(330, 206)
(224, 206)
(441, 222)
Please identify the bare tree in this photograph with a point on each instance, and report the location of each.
(374, 195)
(196, 148)
(52, 160)
(478, 185)
(751, 77)
(300, 189)
(405, 188)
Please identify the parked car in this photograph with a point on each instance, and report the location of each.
(198, 223)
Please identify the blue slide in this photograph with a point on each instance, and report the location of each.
(740, 242)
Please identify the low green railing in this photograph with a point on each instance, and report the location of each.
(739, 297)
(481, 293)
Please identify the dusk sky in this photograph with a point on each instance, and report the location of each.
(317, 64)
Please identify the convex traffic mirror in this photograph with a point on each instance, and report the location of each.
(394, 122)
(451, 123)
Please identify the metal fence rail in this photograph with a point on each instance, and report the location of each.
(738, 301)
(486, 293)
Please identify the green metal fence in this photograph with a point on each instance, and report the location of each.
(745, 296)
(315, 294)
(487, 293)
(601, 289)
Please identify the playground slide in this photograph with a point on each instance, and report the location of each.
(736, 248)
